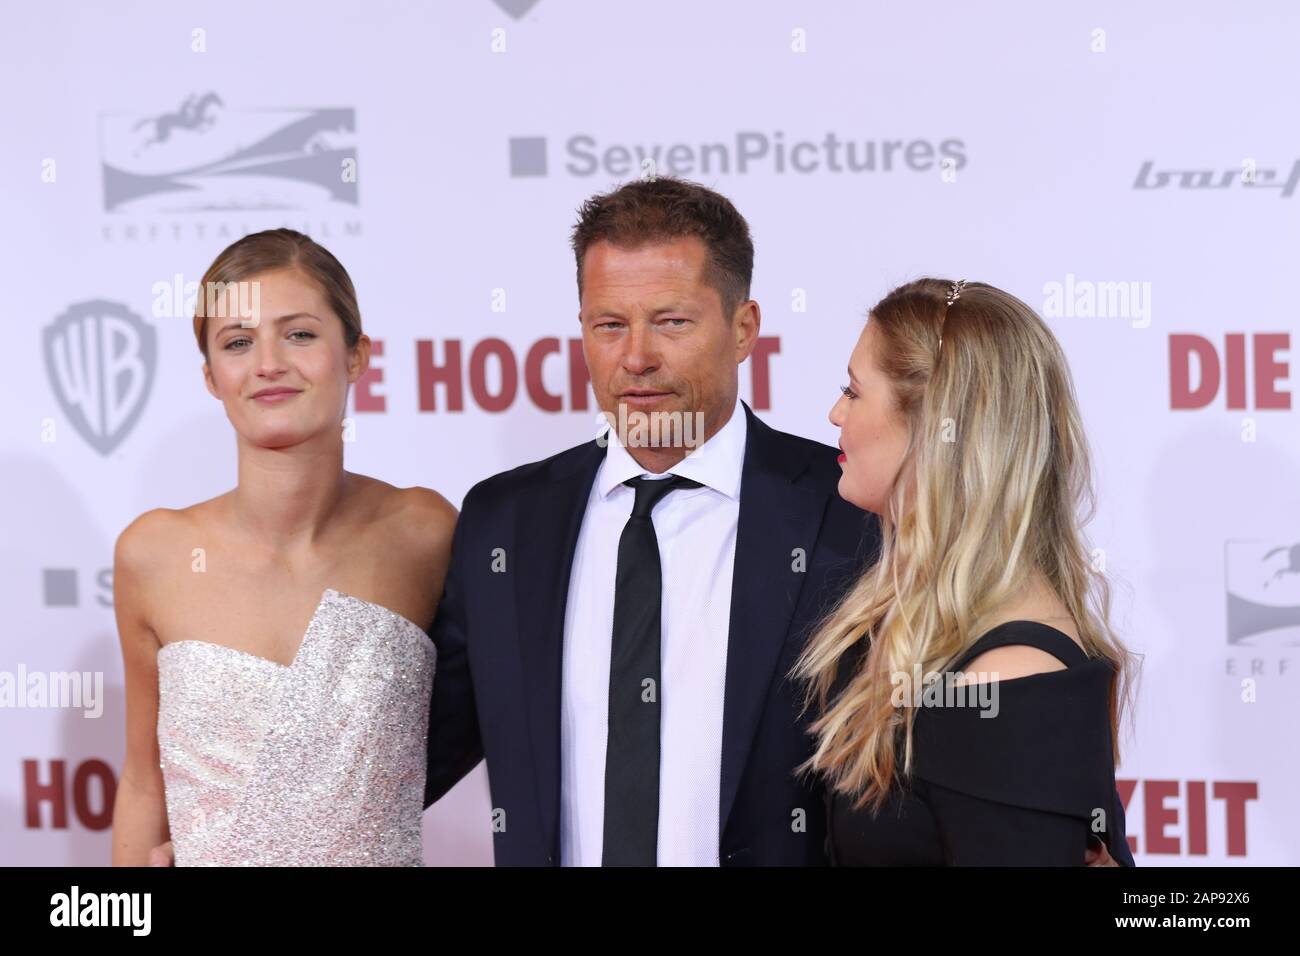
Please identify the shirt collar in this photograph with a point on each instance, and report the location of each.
(716, 464)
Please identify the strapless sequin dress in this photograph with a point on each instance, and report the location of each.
(320, 763)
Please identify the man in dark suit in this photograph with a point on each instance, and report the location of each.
(553, 657)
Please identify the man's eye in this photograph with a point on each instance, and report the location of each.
(679, 322)
(610, 325)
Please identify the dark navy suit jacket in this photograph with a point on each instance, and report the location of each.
(499, 632)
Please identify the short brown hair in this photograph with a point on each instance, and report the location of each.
(663, 209)
(281, 249)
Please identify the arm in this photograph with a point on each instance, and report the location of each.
(1015, 661)
(140, 807)
(455, 747)
(979, 832)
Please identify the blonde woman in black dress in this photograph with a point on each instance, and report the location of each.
(960, 429)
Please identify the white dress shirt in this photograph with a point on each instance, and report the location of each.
(696, 530)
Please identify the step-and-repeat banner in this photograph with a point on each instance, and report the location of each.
(1131, 171)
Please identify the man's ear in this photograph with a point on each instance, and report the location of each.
(745, 325)
(359, 358)
(207, 380)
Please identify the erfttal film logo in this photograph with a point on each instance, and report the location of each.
(100, 359)
(1263, 584)
(200, 157)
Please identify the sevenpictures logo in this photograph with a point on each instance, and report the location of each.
(745, 153)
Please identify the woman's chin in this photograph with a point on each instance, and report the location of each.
(849, 494)
(846, 491)
(275, 438)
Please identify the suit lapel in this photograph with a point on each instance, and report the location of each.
(776, 517)
(546, 536)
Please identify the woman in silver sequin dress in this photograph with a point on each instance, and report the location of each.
(277, 665)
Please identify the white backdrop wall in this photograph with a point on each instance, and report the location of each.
(1093, 149)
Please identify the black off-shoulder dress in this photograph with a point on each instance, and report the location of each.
(1022, 788)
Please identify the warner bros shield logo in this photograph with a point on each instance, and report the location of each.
(100, 359)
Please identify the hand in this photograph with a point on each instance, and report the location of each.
(162, 855)
(1096, 854)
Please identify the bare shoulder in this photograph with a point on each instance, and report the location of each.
(428, 520)
(417, 519)
(145, 558)
(1039, 604)
(152, 537)
(163, 539)
(427, 507)
(1007, 663)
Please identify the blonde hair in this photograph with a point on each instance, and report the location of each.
(998, 465)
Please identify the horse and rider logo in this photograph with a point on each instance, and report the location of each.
(1263, 585)
(203, 157)
(195, 114)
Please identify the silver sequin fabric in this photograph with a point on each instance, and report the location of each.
(320, 763)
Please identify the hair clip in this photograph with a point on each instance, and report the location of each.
(955, 292)
(953, 295)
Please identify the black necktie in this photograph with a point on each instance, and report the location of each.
(632, 750)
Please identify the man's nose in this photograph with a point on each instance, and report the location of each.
(639, 353)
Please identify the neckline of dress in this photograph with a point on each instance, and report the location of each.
(302, 641)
